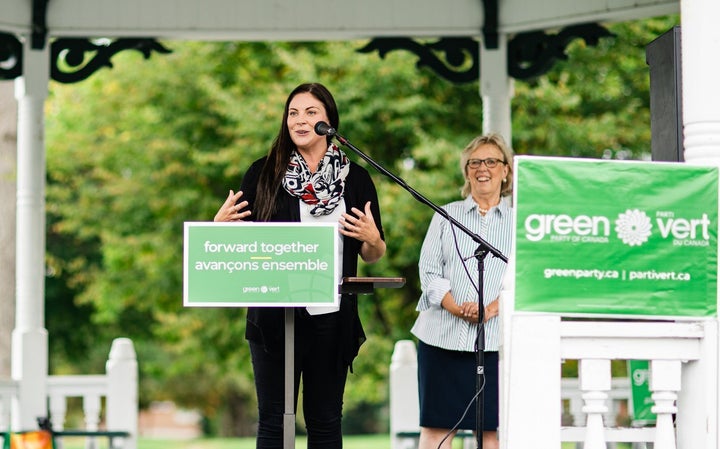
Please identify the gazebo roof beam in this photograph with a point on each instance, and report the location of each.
(312, 20)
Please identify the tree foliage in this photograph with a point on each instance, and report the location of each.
(136, 151)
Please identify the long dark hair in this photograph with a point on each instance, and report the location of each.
(278, 158)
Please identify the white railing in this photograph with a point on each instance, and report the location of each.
(404, 408)
(594, 401)
(118, 387)
(620, 399)
(8, 391)
(682, 381)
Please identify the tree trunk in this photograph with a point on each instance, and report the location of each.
(8, 187)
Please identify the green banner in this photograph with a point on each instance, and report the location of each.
(642, 401)
(615, 237)
(260, 264)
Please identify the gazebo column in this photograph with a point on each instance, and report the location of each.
(701, 126)
(29, 338)
(700, 89)
(496, 89)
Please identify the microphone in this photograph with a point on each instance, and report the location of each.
(323, 129)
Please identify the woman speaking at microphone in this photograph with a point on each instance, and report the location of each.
(307, 178)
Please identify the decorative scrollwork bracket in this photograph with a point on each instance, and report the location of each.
(534, 53)
(11, 56)
(529, 54)
(69, 60)
(72, 53)
(455, 59)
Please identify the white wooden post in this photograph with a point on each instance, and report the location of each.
(57, 407)
(404, 404)
(701, 131)
(122, 398)
(664, 384)
(696, 418)
(8, 390)
(29, 338)
(496, 89)
(595, 380)
(91, 410)
(531, 413)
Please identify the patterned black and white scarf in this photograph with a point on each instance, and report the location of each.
(322, 189)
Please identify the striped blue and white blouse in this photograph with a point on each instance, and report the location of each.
(443, 268)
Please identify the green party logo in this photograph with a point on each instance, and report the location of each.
(633, 227)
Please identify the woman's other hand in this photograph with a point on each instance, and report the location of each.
(361, 225)
(231, 210)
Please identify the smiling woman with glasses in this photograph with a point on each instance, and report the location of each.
(497, 154)
(449, 312)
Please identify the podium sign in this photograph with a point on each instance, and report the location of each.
(260, 264)
(615, 237)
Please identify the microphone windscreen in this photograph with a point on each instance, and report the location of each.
(323, 129)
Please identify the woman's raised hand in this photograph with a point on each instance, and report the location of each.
(232, 210)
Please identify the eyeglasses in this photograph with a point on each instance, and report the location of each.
(490, 162)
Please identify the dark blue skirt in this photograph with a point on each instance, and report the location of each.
(447, 384)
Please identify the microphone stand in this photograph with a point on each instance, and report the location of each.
(483, 243)
(480, 254)
(482, 251)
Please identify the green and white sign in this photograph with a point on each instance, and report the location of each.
(642, 401)
(260, 264)
(615, 237)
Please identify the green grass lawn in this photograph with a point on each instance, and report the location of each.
(349, 442)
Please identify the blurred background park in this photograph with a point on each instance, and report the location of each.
(135, 151)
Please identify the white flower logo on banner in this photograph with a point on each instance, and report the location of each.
(633, 227)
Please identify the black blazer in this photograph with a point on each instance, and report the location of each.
(266, 325)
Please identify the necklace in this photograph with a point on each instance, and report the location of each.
(482, 211)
